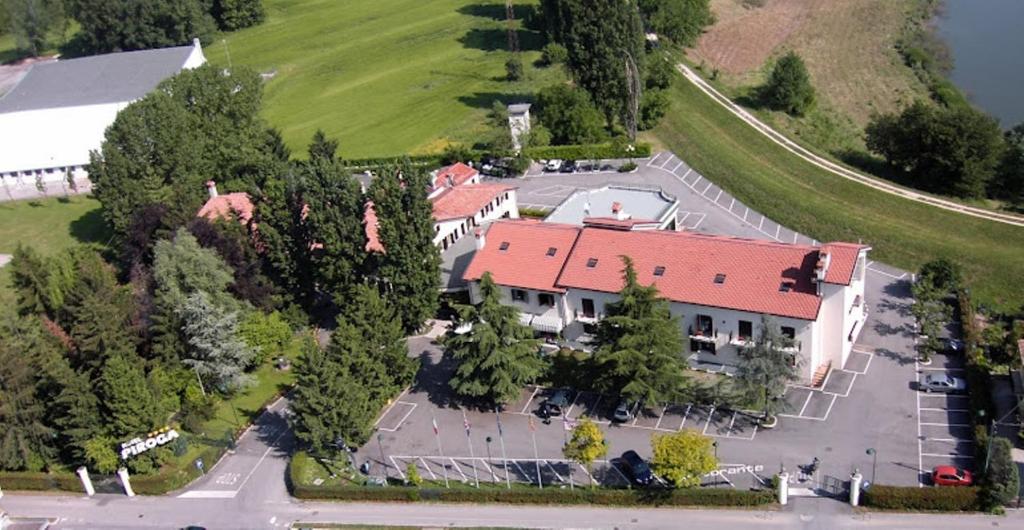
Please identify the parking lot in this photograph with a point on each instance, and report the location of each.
(944, 422)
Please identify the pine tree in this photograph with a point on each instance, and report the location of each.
(765, 369)
(789, 85)
(129, 407)
(498, 355)
(98, 313)
(215, 349)
(26, 440)
(334, 219)
(330, 404)
(76, 415)
(180, 268)
(41, 283)
(639, 345)
(323, 148)
(411, 265)
(281, 214)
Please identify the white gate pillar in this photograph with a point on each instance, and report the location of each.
(83, 474)
(123, 475)
(783, 488)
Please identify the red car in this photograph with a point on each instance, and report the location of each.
(951, 476)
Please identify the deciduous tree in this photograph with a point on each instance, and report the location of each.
(766, 368)
(497, 355)
(639, 345)
(682, 458)
(586, 444)
(30, 21)
(237, 14)
(789, 86)
(124, 25)
(682, 21)
(570, 115)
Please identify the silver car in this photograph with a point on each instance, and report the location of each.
(943, 383)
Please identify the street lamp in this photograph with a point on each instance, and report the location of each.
(488, 440)
(714, 444)
(991, 434)
(874, 462)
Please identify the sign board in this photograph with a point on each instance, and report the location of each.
(735, 470)
(140, 445)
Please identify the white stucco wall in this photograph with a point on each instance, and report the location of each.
(502, 207)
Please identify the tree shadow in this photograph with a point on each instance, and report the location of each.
(899, 358)
(485, 100)
(432, 379)
(90, 228)
(885, 329)
(497, 11)
(495, 39)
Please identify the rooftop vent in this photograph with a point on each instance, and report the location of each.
(785, 287)
(659, 271)
(591, 263)
(552, 251)
(504, 246)
(719, 278)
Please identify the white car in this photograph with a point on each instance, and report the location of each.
(554, 164)
(943, 383)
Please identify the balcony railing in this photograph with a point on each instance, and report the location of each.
(592, 318)
(704, 335)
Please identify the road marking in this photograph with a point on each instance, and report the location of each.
(552, 468)
(520, 468)
(946, 455)
(806, 402)
(397, 467)
(401, 422)
(667, 160)
(685, 416)
(940, 409)
(208, 494)
(733, 203)
(883, 273)
(710, 416)
(587, 473)
(425, 466)
(651, 161)
(393, 403)
(945, 424)
(686, 174)
(459, 469)
(778, 227)
(720, 192)
(271, 447)
(527, 405)
(943, 369)
(660, 416)
(694, 185)
(731, 423)
(574, 398)
(704, 193)
(677, 166)
(951, 440)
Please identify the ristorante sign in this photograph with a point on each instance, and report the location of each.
(152, 440)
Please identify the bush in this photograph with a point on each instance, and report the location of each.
(587, 152)
(915, 498)
(553, 53)
(532, 213)
(514, 68)
(36, 481)
(627, 167)
(170, 479)
(789, 86)
(1001, 483)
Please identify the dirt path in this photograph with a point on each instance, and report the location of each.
(837, 169)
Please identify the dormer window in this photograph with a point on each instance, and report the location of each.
(504, 246)
(659, 271)
(785, 287)
(719, 278)
(551, 252)
(591, 263)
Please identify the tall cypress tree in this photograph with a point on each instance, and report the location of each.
(129, 407)
(498, 355)
(334, 218)
(98, 313)
(26, 440)
(639, 344)
(285, 237)
(411, 265)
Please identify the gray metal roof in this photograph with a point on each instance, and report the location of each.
(519, 108)
(110, 78)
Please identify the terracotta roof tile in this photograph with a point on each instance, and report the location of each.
(842, 262)
(237, 205)
(464, 201)
(525, 262)
(373, 243)
(460, 174)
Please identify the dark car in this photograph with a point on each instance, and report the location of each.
(555, 405)
(951, 345)
(637, 468)
(569, 166)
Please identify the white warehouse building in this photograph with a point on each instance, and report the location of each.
(60, 110)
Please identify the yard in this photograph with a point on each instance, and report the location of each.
(827, 207)
(385, 77)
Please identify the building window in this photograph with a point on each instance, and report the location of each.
(789, 332)
(719, 278)
(546, 299)
(552, 251)
(704, 324)
(504, 246)
(591, 263)
(746, 330)
(519, 295)
(588, 307)
(659, 271)
(701, 346)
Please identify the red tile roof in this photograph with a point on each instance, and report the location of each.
(754, 270)
(237, 205)
(465, 201)
(525, 262)
(373, 243)
(460, 174)
(842, 262)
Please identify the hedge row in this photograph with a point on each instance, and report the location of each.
(37, 481)
(587, 152)
(434, 159)
(944, 499)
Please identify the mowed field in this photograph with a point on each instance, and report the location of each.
(801, 196)
(848, 45)
(385, 77)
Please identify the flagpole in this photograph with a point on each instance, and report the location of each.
(472, 457)
(504, 458)
(437, 434)
(536, 457)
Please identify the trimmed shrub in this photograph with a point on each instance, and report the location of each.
(915, 498)
(587, 152)
(553, 53)
(169, 479)
(627, 167)
(1002, 481)
(533, 213)
(37, 481)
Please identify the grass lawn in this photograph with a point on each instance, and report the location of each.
(385, 77)
(48, 225)
(828, 207)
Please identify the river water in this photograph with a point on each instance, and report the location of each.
(986, 39)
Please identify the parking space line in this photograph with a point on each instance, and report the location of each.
(947, 455)
(848, 388)
(520, 468)
(829, 411)
(397, 467)
(694, 185)
(945, 424)
(667, 160)
(617, 470)
(527, 405)
(703, 193)
(686, 415)
(425, 466)
(552, 468)
(710, 415)
(686, 174)
(720, 192)
(397, 401)
(494, 476)
(732, 422)
(920, 442)
(677, 166)
(402, 421)
(459, 469)
(943, 369)
(951, 440)
(940, 409)
(698, 223)
(577, 396)
(651, 161)
(587, 473)
(806, 402)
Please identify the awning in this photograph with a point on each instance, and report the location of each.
(548, 324)
(524, 318)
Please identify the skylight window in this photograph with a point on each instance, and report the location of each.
(504, 246)
(552, 251)
(786, 287)
(591, 263)
(719, 278)
(659, 271)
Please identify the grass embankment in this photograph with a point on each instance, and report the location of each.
(385, 77)
(828, 207)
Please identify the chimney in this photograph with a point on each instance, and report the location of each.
(618, 212)
(195, 43)
(481, 240)
(211, 187)
(449, 181)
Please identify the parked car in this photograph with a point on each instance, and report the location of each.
(625, 411)
(569, 166)
(943, 383)
(555, 405)
(637, 468)
(555, 164)
(951, 476)
(951, 345)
